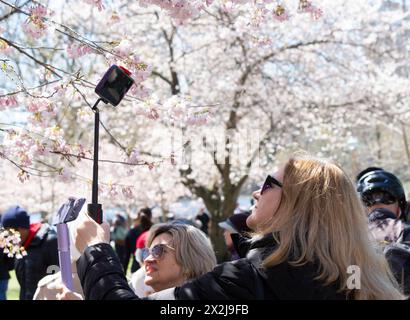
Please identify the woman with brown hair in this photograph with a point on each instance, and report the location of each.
(311, 231)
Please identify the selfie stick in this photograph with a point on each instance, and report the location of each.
(117, 82)
(94, 208)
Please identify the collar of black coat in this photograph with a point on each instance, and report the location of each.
(260, 247)
(244, 244)
(262, 241)
(381, 214)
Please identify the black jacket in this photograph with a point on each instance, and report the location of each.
(102, 278)
(130, 244)
(6, 264)
(42, 254)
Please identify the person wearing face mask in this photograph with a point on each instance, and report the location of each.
(383, 195)
(309, 222)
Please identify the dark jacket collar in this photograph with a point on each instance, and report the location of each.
(244, 244)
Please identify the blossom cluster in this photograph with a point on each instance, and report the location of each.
(97, 3)
(8, 102)
(4, 47)
(178, 110)
(75, 50)
(124, 54)
(179, 10)
(10, 243)
(35, 26)
(182, 10)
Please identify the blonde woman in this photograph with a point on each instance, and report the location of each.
(175, 254)
(313, 244)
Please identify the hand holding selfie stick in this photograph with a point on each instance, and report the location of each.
(68, 212)
(111, 89)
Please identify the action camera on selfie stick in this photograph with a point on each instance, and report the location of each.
(111, 89)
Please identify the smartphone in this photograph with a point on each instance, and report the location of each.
(114, 85)
(69, 211)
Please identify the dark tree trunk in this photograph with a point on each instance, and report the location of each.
(218, 241)
(225, 210)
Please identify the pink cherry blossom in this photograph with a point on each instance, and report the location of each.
(54, 133)
(124, 49)
(281, 13)
(8, 102)
(38, 105)
(308, 7)
(35, 25)
(77, 50)
(85, 115)
(180, 10)
(23, 176)
(127, 192)
(133, 157)
(140, 92)
(5, 48)
(153, 114)
(96, 3)
(198, 118)
(113, 190)
(65, 175)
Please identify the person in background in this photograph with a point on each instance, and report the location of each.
(383, 195)
(205, 220)
(137, 282)
(40, 242)
(142, 222)
(237, 209)
(235, 224)
(6, 264)
(118, 235)
(130, 240)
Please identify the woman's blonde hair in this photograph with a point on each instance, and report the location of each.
(193, 250)
(321, 220)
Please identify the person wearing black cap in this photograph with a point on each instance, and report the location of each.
(40, 242)
(383, 195)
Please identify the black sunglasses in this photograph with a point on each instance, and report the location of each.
(269, 183)
(156, 251)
